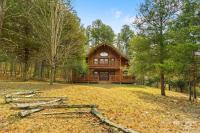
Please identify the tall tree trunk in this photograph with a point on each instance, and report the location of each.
(25, 64)
(190, 91)
(11, 68)
(162, 51)
(52, 74)
(194, 91)
(162, 82)
(41, 70)
(35, 72)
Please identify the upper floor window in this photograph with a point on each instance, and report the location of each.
(96, 61)
(104, 54)
(103, 61)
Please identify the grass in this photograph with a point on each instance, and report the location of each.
(138, 107)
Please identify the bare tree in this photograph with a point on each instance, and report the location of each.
(2, 13)
(51, 20)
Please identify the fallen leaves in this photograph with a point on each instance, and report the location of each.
(139, 108)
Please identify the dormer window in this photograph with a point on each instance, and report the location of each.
(104, 54)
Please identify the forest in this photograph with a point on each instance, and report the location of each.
(45, 40)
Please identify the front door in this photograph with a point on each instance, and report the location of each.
(104, 76)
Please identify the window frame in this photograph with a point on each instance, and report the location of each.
(96, 61)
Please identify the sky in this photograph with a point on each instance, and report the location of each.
(115, 13)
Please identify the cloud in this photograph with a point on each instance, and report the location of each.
(117, 13)
(129, 19)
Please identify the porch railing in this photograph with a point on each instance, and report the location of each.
(112, 78)
(115, 64)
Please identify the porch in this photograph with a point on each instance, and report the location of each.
(110, 79)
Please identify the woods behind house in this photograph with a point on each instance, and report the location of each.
(44, 40)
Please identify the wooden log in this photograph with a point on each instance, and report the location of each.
(24, 93)
(31, 95)
(64, 98)
(9, 98)
(103, 119)
(66, 113)
(37, 104)
(25, 113)
(46, 106)
(17, 99)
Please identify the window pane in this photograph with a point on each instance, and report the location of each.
(95, 73)
(106, 61)
(103, 54)
(101, 61)
(96, 61)
(112, 73)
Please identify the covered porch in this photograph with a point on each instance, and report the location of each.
(100, 79)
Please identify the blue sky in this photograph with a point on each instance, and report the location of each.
(112, 12)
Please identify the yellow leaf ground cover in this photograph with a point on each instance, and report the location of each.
(137, 107)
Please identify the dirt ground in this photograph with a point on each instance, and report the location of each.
(137, 107)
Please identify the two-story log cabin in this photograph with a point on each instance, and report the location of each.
(105, 64)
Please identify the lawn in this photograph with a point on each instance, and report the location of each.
(137, 107)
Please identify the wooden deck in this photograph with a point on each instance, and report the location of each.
(112, 79)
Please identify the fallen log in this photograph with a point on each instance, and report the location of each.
(37, 104)
(25, 113)
(31, 95)
(103, 119)
(30, 99)
(66, 113)
(9, 98)
(24, 93)
(64, 98)
(47, 106)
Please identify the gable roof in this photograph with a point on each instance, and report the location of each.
(92, 50)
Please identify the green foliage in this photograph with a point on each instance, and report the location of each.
(166, 45)
(124, 38)
(100, 33)
(142, 56)
(41, 31)
(184, 39)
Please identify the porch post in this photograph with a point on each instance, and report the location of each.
(120, 70)
(88, 76)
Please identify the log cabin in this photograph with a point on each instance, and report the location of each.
(106, 64)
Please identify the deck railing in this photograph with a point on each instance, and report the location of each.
(112, 79)
(115, 64)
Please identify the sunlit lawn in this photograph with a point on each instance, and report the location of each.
(137, 107)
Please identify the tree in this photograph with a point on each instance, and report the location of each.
(17, 37)
(143, 58)
(153, 21)
(100, 33)
(53, 24)
(184, 39)
(124, 38)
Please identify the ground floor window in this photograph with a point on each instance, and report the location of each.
(104, 76)
(96, 75)
(112, 73)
